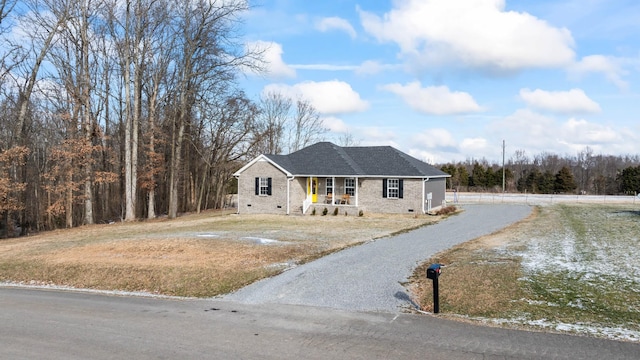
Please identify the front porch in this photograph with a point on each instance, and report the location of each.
(331, 193)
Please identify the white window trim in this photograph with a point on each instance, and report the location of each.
(396, 187)
(327, 187)
(263, 186)
(347, 187)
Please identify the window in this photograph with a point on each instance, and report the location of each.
(329, 186)
(350, 186)
(263, 186)
(393, 188)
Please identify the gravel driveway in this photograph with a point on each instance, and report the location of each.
(369, 277)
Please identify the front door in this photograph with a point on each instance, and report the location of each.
(312, 189)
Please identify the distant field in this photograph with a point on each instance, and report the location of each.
(195, 255)
(570, 267)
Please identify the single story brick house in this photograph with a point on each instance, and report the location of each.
(376, 179)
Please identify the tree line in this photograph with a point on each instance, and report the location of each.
(548, 173)
(128, 109)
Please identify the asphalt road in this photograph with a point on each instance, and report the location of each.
(369, 277)
(298, 315)
(41, 324)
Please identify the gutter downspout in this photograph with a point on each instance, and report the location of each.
(289, 179)
(238, 195)
(424, 190)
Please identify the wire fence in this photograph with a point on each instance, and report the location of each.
(537, 199)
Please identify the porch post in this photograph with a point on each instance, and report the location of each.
(333, 191)
(357, 187)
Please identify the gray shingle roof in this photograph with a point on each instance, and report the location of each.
(328, 159)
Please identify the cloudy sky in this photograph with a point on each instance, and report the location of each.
(449, 80)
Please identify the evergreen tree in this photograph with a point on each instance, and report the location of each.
(630, 180)
(451, 170)
(478, 176)
(463, 176)
(565, 182)
(546, 183)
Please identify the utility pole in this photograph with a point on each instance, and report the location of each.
(503, 146)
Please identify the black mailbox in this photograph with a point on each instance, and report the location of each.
(433, 271)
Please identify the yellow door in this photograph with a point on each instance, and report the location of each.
(312, 189)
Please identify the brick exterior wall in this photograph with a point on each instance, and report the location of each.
(250, 203)
(370, 197)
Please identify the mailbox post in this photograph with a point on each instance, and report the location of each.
(433, 272)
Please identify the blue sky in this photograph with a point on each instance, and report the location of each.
(449, 80)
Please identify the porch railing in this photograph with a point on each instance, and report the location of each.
(306, 204)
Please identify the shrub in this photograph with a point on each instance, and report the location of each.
(325, 211)
(360, 213)
(446, 210)
(335, 212)
(345, 213)
(313, 212)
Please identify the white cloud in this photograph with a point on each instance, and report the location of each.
(434, 146)
(376, 136)
(440, 139)
(565, 102)
(582, 133)
(526, 129)
(324, 67)
(336, 23)
(335, 124)
(371, 67)
(478, 34)
(610, 67)
(427, 156)
(276, 68)
(475, 146)
(328, 97)
(537, 133)
(437, 100)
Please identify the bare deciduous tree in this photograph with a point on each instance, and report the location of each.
(274, 116)
(306, 128)
(210, 55)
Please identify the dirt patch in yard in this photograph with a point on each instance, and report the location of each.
(196, 255)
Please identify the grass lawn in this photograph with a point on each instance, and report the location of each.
(199, 255)
(573, 268)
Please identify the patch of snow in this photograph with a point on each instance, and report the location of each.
(208, 235)
(538, 302)
(612, 333)
(261, 241)
(44, 286)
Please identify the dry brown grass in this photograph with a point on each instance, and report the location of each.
(196, 255)
(478, 282)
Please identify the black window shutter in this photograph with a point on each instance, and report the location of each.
(400, 186)
(269, 186)
(257, 186)
(384, 188)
